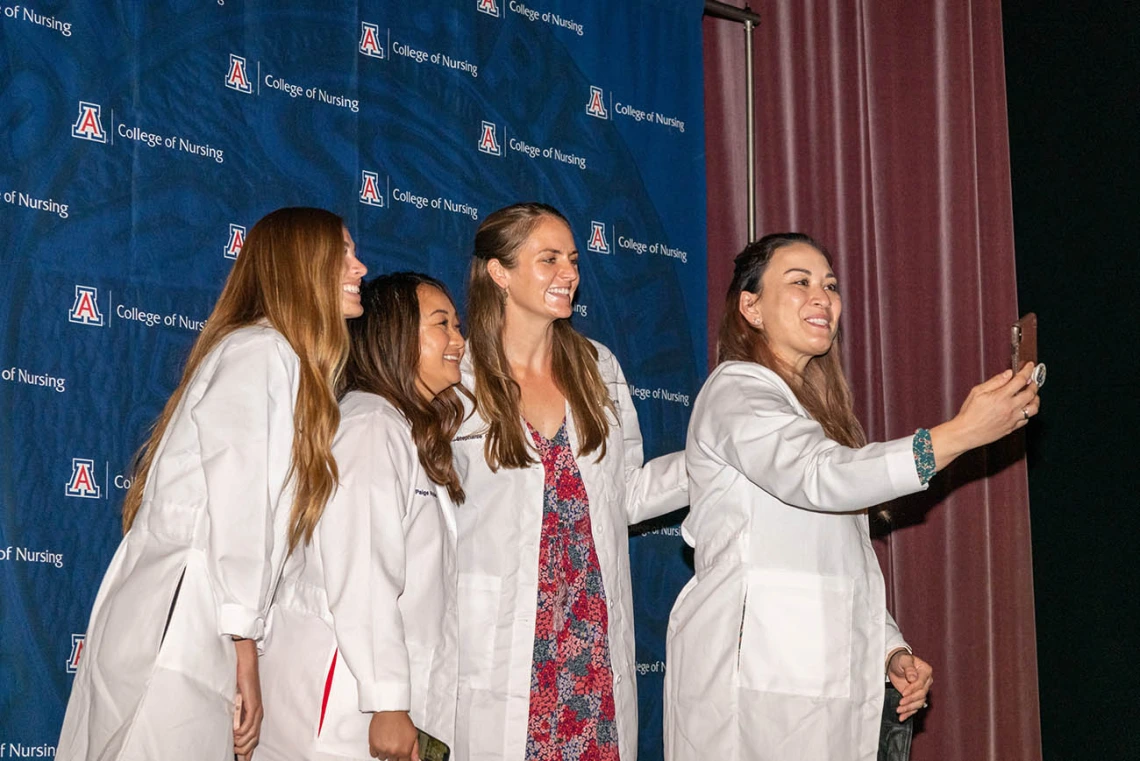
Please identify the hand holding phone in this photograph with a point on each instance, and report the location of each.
(1023, 347)
(432, 749)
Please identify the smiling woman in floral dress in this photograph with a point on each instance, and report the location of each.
(551, 462)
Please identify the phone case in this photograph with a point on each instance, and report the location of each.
(432, 749)
(1023, 341)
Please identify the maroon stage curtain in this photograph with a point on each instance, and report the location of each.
(881, 131)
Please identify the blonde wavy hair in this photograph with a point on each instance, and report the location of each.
(288, 274)
(575, 363)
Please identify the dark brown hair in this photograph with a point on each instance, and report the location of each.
(384, 360)
(823, 389)
(575, 360)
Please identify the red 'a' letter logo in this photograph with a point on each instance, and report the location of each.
(85, 310)
(490, 7)
(77, 641)
(369, 41)
(82, 482)
(597, 242)
(237, 78)
(597, 106)
(369, 190)
(488, 142)
(88, 125)
(235, 241)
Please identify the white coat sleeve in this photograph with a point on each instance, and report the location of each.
(749, 423)
(244, 420)
(894, 638)
(651, 488)
(362, 547)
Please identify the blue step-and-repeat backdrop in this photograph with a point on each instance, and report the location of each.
(140, 140)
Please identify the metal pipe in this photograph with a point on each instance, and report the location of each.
(751, 21)
(750, 130)
(730, 12)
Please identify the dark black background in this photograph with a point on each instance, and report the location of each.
(1074, 99)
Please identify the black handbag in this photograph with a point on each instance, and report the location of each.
(894, 735)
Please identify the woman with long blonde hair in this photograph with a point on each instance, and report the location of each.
(235, 474)
(551, 461)
(779, 647)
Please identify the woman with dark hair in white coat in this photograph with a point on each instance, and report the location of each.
(779, 647)
(235, 474)
(362, 648)
(551, 461)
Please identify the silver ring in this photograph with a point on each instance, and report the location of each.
(926, 705)
(1025, 412)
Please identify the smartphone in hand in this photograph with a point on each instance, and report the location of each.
(432, 749)
(1023, 347)
(1023, 342)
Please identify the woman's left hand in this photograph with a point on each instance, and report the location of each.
(911, 676)
(247, 721)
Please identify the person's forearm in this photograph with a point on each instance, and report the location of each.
(948, 442)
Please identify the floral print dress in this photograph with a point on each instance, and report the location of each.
(571, 683)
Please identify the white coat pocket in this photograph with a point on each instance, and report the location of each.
(796, 634)
(478, 620)
(192, 645)
(342, 728)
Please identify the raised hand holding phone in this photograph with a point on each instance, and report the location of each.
(1023, 347)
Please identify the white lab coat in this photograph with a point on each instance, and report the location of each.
(776, 648)
(214, 515)
(364, 620)
(499, 529)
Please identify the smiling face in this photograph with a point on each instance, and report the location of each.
(441, 344)
(545, 277)
(352, 270)
(798, 306)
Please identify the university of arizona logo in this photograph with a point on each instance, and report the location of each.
(597, 241)
(88, 125)
(490, 7)
(82, 482)
(597, 105)
(237, 76)
(370, 190)
(489, 141)
(85, 310)
(77, 641)
(234, 242)
(370, 40)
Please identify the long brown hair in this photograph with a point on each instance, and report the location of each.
(288, 274)
(498, 397)
(822, 390)
(383, 359)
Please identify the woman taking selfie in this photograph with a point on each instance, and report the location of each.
(235, 474)
(362, 647)
(779, 647)
(551, 461)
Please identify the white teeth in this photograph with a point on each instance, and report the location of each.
(820, 322)
(351, 288)
(561, 291)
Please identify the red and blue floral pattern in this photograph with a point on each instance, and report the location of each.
(571, 683)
